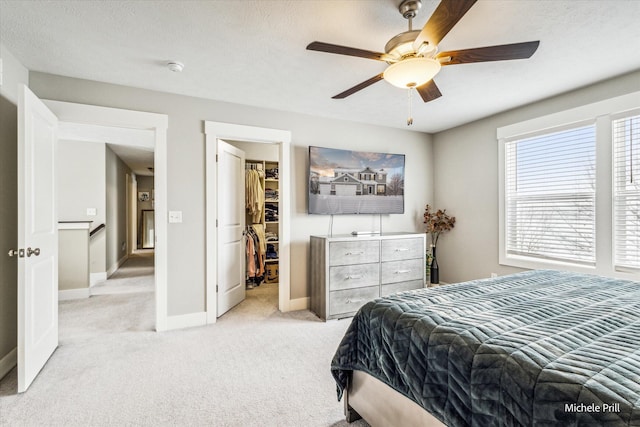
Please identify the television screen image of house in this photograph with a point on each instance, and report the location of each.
(355, 182)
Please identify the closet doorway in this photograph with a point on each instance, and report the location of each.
(265, 149)
(261, 194)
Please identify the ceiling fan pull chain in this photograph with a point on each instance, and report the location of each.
(410, 118)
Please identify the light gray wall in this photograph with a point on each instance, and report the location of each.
(116, 203)
(186, 172)
(81, 170)
(13, 74)
(73, 259)
(8, 225)
(466, 176)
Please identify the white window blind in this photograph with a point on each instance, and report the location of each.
(550, 196)
(626, 193)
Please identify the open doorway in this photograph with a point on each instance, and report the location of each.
(135, 205)
(262, 221)
(141, 133)
(225, 210)
(40, 127)
(94, 189)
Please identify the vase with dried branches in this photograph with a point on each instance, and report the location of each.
(437, 222)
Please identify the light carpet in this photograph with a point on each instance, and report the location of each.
(255, 367)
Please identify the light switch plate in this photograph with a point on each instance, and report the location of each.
(175, 216)
(92, 212)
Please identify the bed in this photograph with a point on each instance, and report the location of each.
(534, 348)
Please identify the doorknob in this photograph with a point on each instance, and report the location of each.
(35, 251)
(16, 252)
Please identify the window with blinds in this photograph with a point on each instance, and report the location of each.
(550, 196)
(626, 191)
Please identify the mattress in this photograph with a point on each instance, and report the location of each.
(539, 347)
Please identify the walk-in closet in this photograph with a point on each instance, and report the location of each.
(262, 216)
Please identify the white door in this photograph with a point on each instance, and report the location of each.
(37, 236)
(231, 223)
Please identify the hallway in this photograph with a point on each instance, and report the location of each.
(135, 275)
(124, 302)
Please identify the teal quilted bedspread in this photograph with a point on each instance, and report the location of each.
(543, 348)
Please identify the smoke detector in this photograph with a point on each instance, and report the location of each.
(175, 66)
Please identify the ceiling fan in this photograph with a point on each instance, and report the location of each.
(413, 55)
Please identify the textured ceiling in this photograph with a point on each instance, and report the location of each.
(253, 52)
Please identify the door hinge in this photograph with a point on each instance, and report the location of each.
(216, 288)
(216, 158)
(216, 222)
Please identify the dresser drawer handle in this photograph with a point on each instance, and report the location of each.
(355, 253)
(354, 301)
(402, 271)
(402, 249)
(349, 277)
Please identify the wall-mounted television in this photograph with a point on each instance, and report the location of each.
(355, 182)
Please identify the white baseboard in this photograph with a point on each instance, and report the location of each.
(8, 362)
(117, 265)
(299, 304)
(68, 294)
(186, 321)
(97, 277)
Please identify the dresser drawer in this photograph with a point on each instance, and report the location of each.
(403, 271)
(399, 249)
(353, 276)
(350, 300)
(347, 271)
(356, 252)
(393, 288)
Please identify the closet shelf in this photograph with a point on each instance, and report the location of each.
(271, 260)
(271, 201)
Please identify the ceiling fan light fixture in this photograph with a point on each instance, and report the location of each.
(401, 44)
(411, 72)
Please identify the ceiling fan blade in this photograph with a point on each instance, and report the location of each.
(429, 91)
(490, 53)
(358, 87)
(349, 51)
(443, 19)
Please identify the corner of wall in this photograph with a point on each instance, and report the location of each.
(8, 362)
(13, 74)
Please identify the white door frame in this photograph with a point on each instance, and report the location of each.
(158, 123)
(228, 131)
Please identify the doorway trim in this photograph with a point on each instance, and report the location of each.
(74, 113)
(228, 131)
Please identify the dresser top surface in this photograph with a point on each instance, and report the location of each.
(378, 236)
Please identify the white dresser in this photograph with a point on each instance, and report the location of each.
(347, 271)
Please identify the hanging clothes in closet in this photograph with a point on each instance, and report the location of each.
(256, 246)
(256, 241)
(254, 194)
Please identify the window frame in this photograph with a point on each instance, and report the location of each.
(601, 113)
(614, 117)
